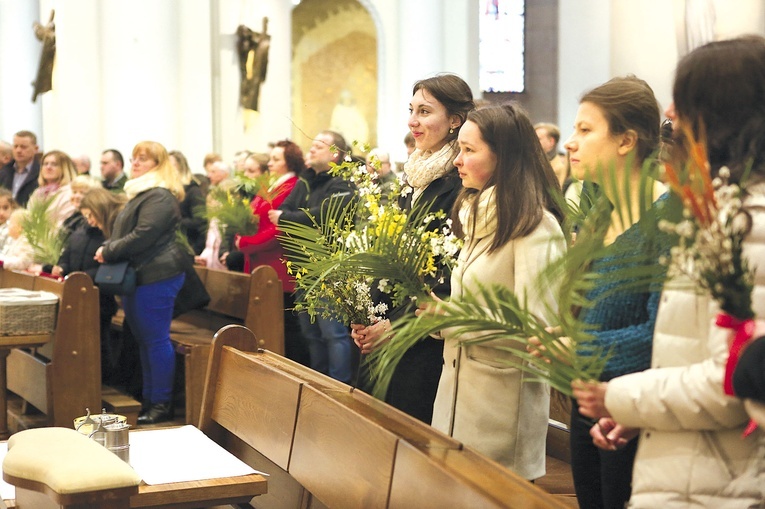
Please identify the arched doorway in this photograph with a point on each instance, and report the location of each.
(334, 71)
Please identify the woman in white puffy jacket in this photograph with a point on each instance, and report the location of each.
(692, 451)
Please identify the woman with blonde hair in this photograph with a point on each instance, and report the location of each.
(56, 174)
(144, 235)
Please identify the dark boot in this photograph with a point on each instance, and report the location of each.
(157, 412)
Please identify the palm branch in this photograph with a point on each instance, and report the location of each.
(47, 240)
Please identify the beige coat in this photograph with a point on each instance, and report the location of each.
(480, 401)
(691, 451)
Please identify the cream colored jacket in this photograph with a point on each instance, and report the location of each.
(691, 451)
(480, 401)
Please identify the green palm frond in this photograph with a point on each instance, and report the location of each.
(47, 240)
(232, 212)
(494, 316)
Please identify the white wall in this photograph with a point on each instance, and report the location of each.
(584, 54)
(20, 52)
(600, 39)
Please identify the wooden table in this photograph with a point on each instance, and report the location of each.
(193, 494)
(169, 453)
(7, 343)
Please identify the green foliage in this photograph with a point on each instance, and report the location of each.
(232, 212)
(47, 240)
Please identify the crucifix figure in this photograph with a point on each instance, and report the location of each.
(252, 48)
(46, 34)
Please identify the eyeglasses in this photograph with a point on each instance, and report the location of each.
(141, 159)
(665, 131)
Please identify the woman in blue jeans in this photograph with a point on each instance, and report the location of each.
(144, 234)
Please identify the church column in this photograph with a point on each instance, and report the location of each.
(421, 41)
(21, 53)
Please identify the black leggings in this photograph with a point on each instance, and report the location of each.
(602, 479)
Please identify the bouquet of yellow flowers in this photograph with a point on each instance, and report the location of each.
(336, 264)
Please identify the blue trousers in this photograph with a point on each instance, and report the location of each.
(149, 312)
(329, 344)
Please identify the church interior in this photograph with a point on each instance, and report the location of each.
(227, 76)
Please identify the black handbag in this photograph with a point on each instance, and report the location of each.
(115, 278)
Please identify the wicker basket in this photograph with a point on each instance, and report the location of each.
(26, 313)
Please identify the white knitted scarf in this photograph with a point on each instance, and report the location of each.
(423, 167)
(149, 180)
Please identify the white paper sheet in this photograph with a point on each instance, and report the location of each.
(182, 454)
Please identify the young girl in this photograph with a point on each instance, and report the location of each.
(7, 205)
(16, 254)
(510, 221)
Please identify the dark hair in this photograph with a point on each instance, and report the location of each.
(293, 156)
(628, 103)
(451, 91)
(338, 141)
(525, 182)
(116, 155)
(721, 86)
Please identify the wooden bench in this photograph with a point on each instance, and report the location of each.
(62, 376)
(325, 445)
(254, 300)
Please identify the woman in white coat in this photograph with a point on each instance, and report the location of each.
(511, 225)
(691, 451)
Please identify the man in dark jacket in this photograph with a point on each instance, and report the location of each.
(329, 341)
(20, 175)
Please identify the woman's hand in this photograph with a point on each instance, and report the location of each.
(537, 349)
(99, 256)
(369, 337)
(198, 260)
(57, 271)
(273, 216)
(610, 436)
(430, 307)
(591, 397)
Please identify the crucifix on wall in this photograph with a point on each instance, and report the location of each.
(46, 34)
(252, 48)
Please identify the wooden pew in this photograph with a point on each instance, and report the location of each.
(63, 376)
(253, 300)
(325, 445)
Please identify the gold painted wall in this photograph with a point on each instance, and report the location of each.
(334, 71)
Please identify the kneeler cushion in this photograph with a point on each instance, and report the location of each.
(65, 461)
